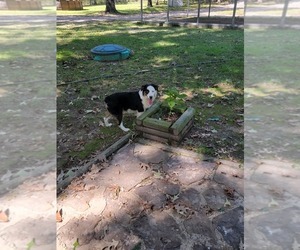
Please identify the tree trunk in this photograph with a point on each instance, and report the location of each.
(111, 7)
(150, 3)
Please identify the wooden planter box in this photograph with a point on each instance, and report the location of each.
(164, 131)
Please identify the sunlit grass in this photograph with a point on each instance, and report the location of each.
(270, 89)
(222, 89)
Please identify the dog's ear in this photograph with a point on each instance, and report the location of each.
(144, 87)
(155, 86)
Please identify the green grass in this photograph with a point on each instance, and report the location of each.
(272, 90)
(205, 64)
(27, 47)
(27, 61)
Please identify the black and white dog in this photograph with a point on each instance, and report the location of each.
(137, 101)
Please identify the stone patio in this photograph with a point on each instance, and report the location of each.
(152, 196)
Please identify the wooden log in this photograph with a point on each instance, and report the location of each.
(182, 121)
(117, 145)
(153, 109)
(182, 134)
(158, 133)
(173, 140)
(156, 138)
(186, 129)
(160, 125)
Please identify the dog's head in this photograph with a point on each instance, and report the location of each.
(149, 93)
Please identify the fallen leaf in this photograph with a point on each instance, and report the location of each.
(296, 245)
(4, 216)
(229, 192)
(59, 215)
(75, 244)
(94, 97)
(101, 124)
(158, 175)
(30, 244)
(227, 203)
(118, 190)
(273, 203)
(111, 245)
(181, 209)
(89, 111)
(175, 197)
(144, 166)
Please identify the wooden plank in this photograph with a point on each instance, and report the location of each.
(117, 145)
(186, 129)
(182, 134)
(157, 133)
(153, 109)
(163, 136)
(182, 121)
(160, 125)
(155, 138)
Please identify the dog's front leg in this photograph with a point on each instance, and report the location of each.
(121, 126)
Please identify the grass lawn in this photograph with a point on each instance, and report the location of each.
(205, 64)
(272, 94)
(27, 93)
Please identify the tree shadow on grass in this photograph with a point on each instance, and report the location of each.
(206, 64)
